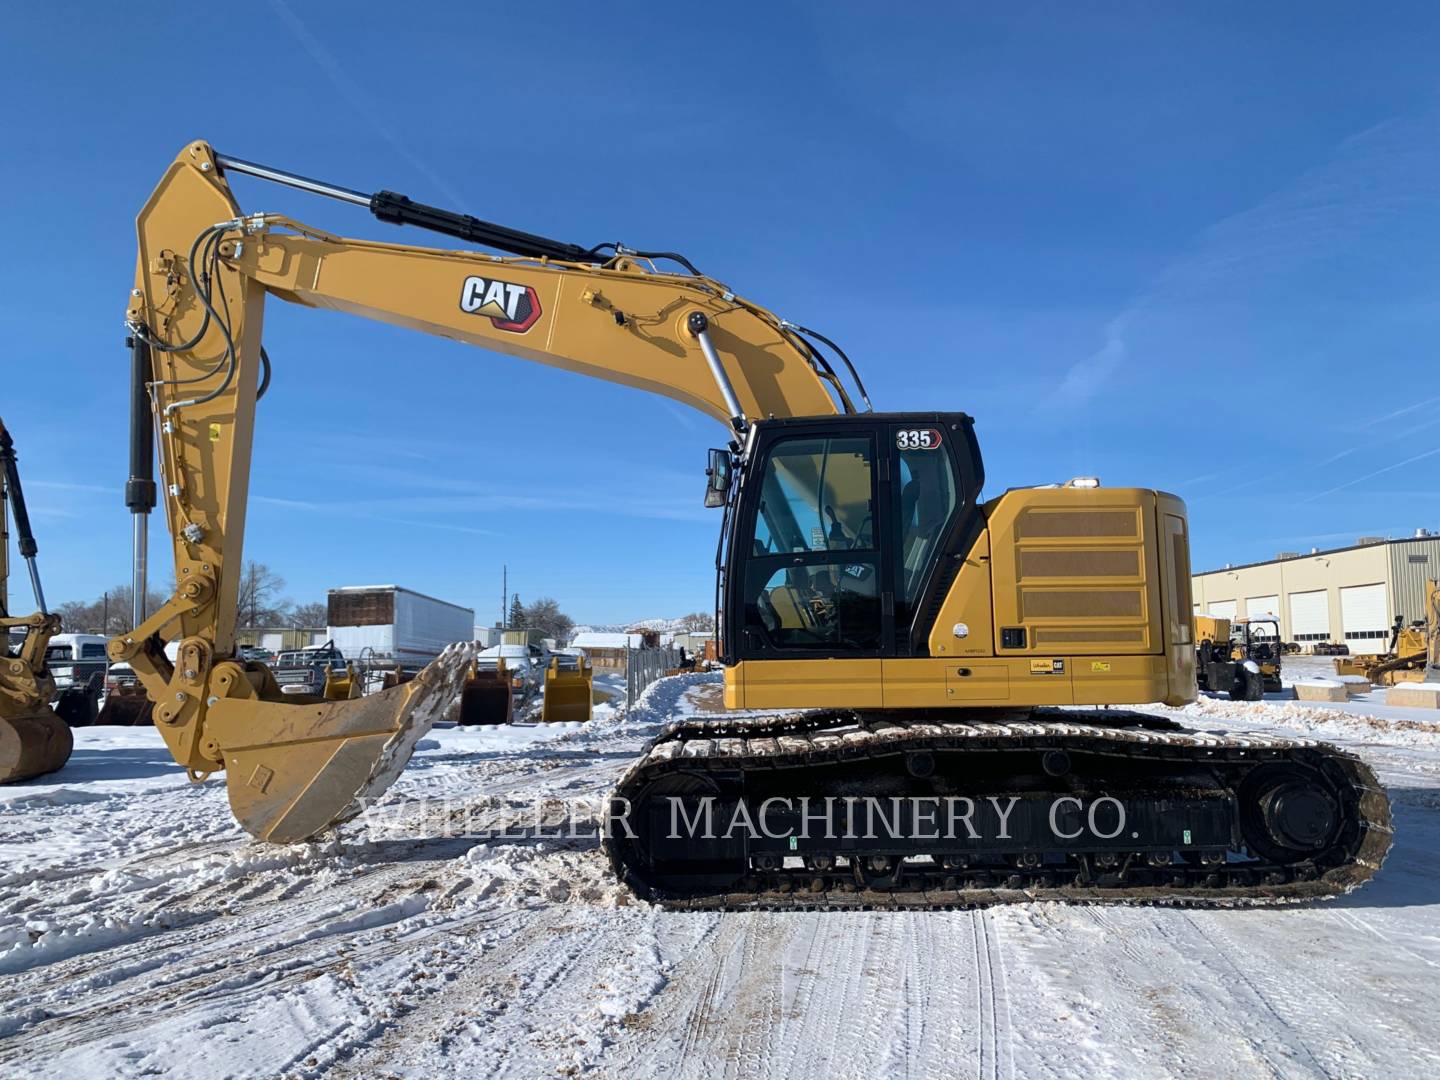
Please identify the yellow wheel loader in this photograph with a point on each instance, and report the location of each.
(33, 739)
(913, 641)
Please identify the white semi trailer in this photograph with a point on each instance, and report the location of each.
(394, 623)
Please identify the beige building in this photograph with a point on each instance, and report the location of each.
(1350, 595)
(280, 638)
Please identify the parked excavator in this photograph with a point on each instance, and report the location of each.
(923, 637)
(34, 740)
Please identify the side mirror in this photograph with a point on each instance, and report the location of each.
(717, 478)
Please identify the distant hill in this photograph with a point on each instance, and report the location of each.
(664, 626)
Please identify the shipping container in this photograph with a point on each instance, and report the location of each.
(393, 622)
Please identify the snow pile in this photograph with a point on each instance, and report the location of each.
(1319, 722)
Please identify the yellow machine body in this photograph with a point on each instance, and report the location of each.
(1099, 579)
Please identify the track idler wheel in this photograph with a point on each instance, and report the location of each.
(32, 745)
(1288, 812)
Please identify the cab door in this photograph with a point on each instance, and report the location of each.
(812, 599)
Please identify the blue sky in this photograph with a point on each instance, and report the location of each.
(1189, 246)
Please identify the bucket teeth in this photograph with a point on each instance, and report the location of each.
(294, 771)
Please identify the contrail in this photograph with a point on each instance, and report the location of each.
(1399, 412)
(1371, 476)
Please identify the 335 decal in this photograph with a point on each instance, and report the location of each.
(917, 439)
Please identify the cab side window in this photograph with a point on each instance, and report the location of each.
(928, 498)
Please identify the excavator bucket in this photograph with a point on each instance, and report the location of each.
(127, 706)
(294, 770)
(568, 690)
(398, 677)
(346, 687)
(32, 744)
(487, 697)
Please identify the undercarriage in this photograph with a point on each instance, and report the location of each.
(837, 809)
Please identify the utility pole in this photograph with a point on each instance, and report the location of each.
(504, 597)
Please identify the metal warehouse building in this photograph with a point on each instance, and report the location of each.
(1349, 595)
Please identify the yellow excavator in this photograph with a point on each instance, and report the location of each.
(920, 635)
(34, 740)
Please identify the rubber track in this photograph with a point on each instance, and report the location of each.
(819, 737)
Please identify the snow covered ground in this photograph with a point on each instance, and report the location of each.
(142, 933)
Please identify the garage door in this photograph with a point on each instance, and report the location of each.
(1222, 609)
(1258, 606)
(1310, 616)
(1364, 619)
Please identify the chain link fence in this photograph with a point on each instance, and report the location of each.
(644, 666)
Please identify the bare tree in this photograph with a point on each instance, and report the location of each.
(260, 602)
(545, 615)
(310, 614)
(698, 622)
(109, 614)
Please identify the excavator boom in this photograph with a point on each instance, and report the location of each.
(204, 271)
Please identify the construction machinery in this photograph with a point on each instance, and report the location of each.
(1240, 657)
(917, 638)
(1408, 656)
(569, 690)
(34, 740)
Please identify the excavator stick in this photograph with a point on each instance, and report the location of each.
(487, 697)
(295, 770)
(568, 690)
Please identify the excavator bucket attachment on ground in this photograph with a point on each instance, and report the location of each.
(79, 706)
(398, 677)
(33, 744)
(294, 770)
(346, 687)
(487, 697)
(568, 690)
(126, 706)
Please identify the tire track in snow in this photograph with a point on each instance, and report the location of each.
(1280, 1000)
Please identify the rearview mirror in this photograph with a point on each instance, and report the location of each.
(717, 478)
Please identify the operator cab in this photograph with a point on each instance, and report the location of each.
(1258, 637)
(835, 531)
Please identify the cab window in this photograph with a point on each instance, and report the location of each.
(816, 495)
(813, 577)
